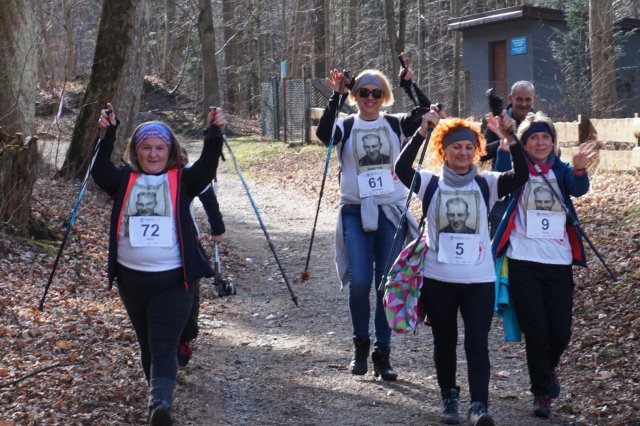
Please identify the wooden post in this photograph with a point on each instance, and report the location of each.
(307, 104)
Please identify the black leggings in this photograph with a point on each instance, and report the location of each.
(158, 305)
(543, 299)
(442, 301)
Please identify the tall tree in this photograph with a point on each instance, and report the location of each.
(230, 53)
(603, 61)
(207, 52)
(18, 75)
(113, 46)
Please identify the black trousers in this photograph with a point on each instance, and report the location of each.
(191, 328)
(441, 301)
(543, 299)
(158, 305)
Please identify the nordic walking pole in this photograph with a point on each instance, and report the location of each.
(403, 217)
(264, 229)
(495, 104)
(70, 225)
(306, 275)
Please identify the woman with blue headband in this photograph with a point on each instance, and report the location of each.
(540, 245)
(459, 272)
(154, 254)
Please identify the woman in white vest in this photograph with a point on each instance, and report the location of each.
(459, 269)
(371, 203)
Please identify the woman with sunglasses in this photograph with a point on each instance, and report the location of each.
(371, 202)
(459, 272)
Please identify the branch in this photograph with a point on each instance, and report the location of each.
(42, 370)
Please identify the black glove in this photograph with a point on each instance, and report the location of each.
(418, 112)
(404, 83)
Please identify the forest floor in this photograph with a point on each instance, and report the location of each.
(259, 359)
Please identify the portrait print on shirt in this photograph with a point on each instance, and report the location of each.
(147, 200)
(544, 216)
(372, 149)
(539, 196)
(457, 212)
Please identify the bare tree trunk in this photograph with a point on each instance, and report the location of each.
(69, 50)
(211, 95)
(390, 19)
(327, 36)
(319, 65)
(603, 61)
(18, 77)
(112, 49)
(129, 92)
(457, 61)
(46, 52)
(402, 27)
(231, 77)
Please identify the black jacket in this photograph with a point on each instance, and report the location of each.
(192, 181)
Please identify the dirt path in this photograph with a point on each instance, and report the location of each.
(261, 360)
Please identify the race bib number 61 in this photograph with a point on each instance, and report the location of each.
(376, 182)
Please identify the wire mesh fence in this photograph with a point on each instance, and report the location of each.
(551, 98)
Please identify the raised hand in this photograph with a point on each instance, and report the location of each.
(337, 81)
(585, 153)
(107, 117)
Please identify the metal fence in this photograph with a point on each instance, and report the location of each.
(303, 94)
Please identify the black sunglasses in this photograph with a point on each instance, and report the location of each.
(363, 92)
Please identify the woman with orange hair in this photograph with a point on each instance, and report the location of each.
(459, 269)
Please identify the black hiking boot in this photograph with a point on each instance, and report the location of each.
(450, 399)
(478, 415)
(542, 406)
(381, 365)
(358, 364)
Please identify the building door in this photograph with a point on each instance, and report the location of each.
(498, 75)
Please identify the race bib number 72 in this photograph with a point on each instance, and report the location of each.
(150, 231)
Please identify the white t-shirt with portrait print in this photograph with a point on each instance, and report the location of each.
(458, 231)
(540, 234)
(363, 172)
(148, 238)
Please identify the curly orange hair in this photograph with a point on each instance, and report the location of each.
(447, 125)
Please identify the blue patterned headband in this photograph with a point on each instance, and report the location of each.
(150, 130)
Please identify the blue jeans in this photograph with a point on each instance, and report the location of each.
(366, 251)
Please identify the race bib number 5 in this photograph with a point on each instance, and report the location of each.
(545, 224)
(460, 249)
(375, 182)
(150, 231)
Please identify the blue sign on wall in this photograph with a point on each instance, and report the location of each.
(518, 45)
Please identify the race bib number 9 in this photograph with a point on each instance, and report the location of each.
(460, 249)
(375, 182)
(150, 231)
(545, 224)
